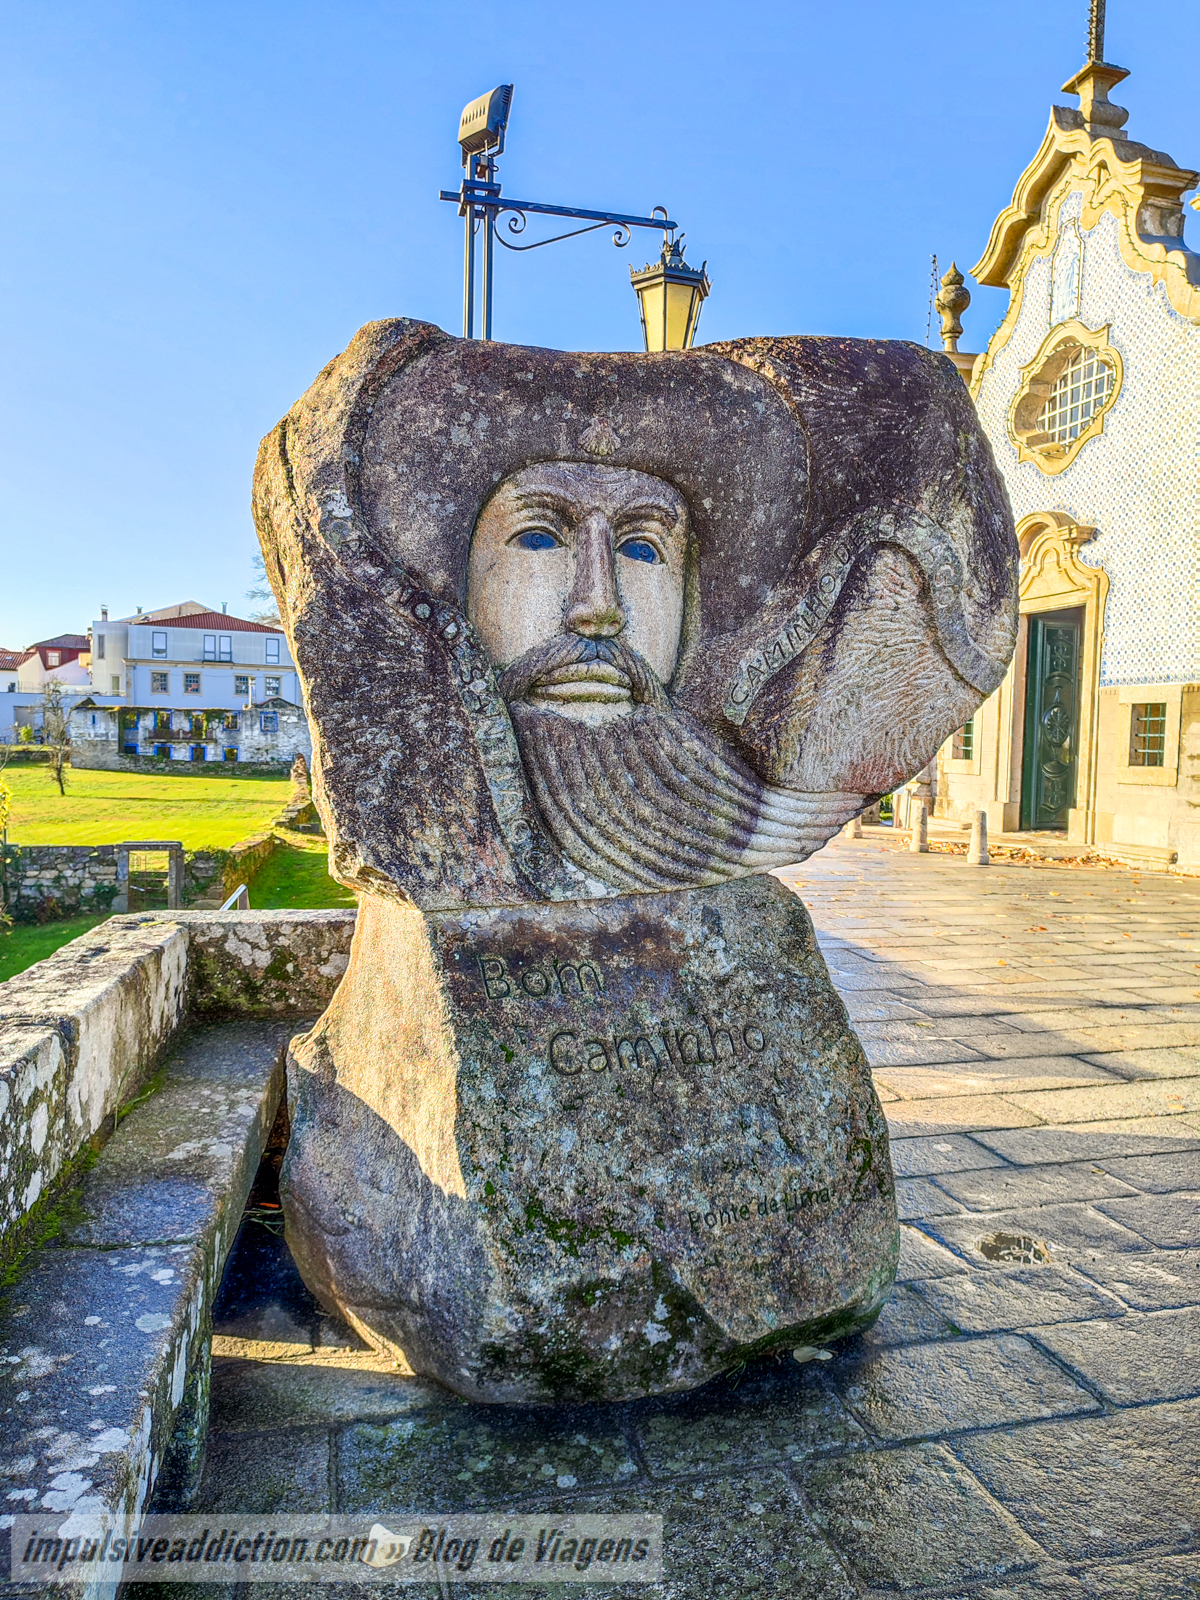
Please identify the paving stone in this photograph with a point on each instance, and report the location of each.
(1001, 1189)
(1067, 1106)
(248, 1396)
(921, 1157)
(961, 1114)
(919, 1050)
(907, 1318)
(461, 1456)
(1167, 1578)
(909, 1518)
(1127, 1136)
(1018, 1297)
(1167, 1063)
(917, 1197)
(1156, 1280)
(264, 1472)
(1132, 1359)
(1072, 1233)
(1100, 1486)
(736, 1537)
(920, 1257)
(1156, 1174)
(774, 1415)
(1171, 1221)
(932, 1389)
(1018, 1074)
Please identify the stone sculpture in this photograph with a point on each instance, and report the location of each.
(590, 643)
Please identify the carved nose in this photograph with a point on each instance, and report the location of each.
(594, 607)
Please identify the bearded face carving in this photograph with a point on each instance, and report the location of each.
(628, 623)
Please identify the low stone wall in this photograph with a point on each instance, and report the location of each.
(101, 758)
(41, 882)
(81, 1032)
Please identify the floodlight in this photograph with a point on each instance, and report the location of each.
(482, 124)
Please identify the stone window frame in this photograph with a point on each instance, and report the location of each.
(1134, 694)
(1038, 378)
(160, 683)
(191, 683)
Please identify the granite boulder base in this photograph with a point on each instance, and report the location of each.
(599, 1150)
(590, 644)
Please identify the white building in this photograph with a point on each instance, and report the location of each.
(189, 684)
(1089, 391)
(183, 683)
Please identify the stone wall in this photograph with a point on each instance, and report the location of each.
(44, 881)
(81, 1032)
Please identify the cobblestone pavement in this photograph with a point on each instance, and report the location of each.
(1023, 1421)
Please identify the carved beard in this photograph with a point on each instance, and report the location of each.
(653, 800)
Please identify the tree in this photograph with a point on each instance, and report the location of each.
(56, 732)
(262, 591)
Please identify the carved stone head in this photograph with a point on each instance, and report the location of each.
(576, 625)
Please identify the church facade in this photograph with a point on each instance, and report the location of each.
(1089, 391)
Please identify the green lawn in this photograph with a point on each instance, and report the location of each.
(25, 942)
(110, 807)
(296, 877)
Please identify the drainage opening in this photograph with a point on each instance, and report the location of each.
(1015, 1247)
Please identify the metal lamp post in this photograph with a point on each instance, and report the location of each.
(480, 203)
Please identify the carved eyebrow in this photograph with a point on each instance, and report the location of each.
(540, 499)
(667, 515)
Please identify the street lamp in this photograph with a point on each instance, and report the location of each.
(670, 294)
(481, 132)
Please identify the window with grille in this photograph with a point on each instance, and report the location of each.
(191, 683)
(962, 746)
(1148, 734)
(160, 683)
(1079, 391)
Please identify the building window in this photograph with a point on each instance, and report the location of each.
(962, 747)
(158, 645)
(1065, 393)
(1079, 391)
(274, 687)
(116, 684)
(231, 752)
(53, 658)
(163, 751)
(12, 688)
(160, 683)
(241, 686)
(232, 722)
(1148, 734)
(268, 722)
(273, 651)
(210, 647)
(198, 752)
(191, 683)
(99, 647)
(226, 647)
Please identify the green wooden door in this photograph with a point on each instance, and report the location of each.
(1051, 719)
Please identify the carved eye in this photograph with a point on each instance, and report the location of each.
(640, 550)
(535, 539)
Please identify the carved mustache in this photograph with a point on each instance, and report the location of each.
(570, 658)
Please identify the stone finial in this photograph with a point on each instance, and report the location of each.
(1101, 117)
(952, 300)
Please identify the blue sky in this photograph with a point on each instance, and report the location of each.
(203, 201)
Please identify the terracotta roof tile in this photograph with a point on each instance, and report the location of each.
(210, 622)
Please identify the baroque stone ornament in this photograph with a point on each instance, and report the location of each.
(590, 643)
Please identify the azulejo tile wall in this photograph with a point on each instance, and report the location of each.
(1138, 483)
